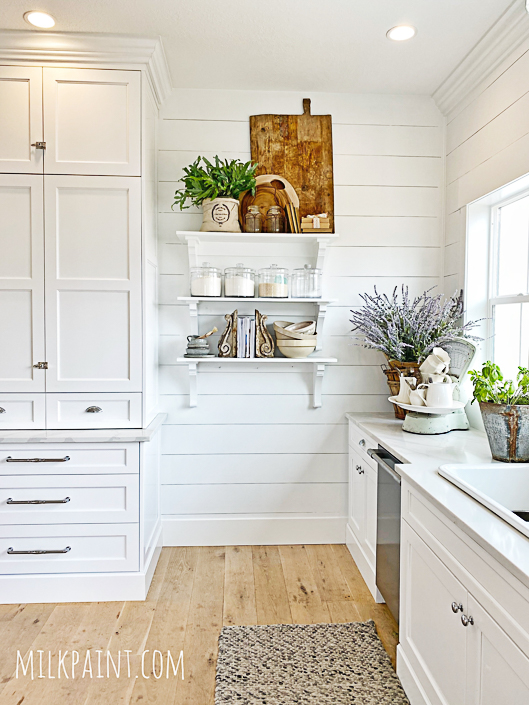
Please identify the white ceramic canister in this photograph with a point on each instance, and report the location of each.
(206, 280)
(239, 281)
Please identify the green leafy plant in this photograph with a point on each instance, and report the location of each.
(224, 179)
(490, 386)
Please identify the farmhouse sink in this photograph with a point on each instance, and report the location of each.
(501, 487)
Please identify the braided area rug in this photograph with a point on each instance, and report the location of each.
(305, 664)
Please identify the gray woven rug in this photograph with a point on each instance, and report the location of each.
(307, 664)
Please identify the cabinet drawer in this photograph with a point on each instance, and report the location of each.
(71, 499)
(83, 549)
(361, 442)
(83, 459)
(93, 410)
(22, 411)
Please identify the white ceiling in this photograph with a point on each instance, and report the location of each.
(318, 45)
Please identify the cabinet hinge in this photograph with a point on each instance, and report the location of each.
(41, 365)
(39, 145)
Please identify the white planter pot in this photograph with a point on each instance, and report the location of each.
(220, 215)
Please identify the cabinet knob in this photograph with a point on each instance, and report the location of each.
(2, 410)
(93, 409)
(39, 145)
(362, 443)
(359, 469)
(456, 607)
(465, 621)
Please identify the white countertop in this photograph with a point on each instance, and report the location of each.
(104, 435)
(422, 455)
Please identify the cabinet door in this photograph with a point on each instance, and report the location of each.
(21, 283)
(20, 119)
(93, 283)
(92, 121)
(370, 538)
(432, 635)
(357, 495)
(498, 672)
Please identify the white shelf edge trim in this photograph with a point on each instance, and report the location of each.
(318, 371)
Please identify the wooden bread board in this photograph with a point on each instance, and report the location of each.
(299, 148)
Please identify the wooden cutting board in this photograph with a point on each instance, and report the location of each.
(298, 147)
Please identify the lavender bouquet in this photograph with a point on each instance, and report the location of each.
(409, 329)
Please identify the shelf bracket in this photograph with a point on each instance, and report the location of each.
(322, 311)
(193, 251)
(193, 384)
(193, 317)
(318, 372)
(321, 252)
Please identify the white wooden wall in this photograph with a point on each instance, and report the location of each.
(487, 146)
(254, 463)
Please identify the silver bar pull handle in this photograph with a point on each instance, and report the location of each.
(375, 454)
(37, 552)
(37, 501)
(9, 459)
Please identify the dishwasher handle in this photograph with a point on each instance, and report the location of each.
(375, 454)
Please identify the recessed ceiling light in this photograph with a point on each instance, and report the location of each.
(401, 33)
(39, 19)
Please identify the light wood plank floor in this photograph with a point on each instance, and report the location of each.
(194, 592)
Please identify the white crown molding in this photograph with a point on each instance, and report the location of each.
(504, 37)
(116, 50)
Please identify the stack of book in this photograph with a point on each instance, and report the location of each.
(246, 336)
(316, 224)
(292, 215)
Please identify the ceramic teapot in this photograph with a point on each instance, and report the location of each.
(439, 393)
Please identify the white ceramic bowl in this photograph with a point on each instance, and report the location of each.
(283, 333)
(296, 351)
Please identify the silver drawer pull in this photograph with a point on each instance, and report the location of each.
(9, 459)
(362, 443)
(456, 607)
(2, 410)
(94, 409)
(359, 470)
(37, 552)
(465, 621)
(37, 501)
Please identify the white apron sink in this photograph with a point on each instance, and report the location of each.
(501, 487)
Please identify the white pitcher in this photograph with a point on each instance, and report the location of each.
(407, 384)
(439, 394)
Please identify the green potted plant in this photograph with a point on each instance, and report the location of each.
(504, 408)
(216, 187)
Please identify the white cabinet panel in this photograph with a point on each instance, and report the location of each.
(22, 411)
(21, 283)
(21, 122)
(93, 284)
(92, 121)
(357, 496)
(63, 459)
(370, 538)
(73, 499)
(93, 410)
(92, 548)
(432, 634)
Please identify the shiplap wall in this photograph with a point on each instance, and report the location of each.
(254, 463)
(487, 146)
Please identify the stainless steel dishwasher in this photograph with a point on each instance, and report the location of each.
(388, 528)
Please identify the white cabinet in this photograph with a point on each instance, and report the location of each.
(21, 282)
(22, 411)
(21, 120)
(92, 121)
(93, 284)
(357, 495)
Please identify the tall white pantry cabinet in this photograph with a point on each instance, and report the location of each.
(79, 486)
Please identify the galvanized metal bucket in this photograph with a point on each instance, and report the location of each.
(507, 429)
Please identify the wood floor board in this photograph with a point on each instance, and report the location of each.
(195, 590)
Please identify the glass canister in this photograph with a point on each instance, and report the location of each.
(206, 280)
(273, 282)
(306, 283)
(253, 223)
(275, 220)
(239, 281)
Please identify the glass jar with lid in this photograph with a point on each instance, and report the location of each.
(253, 222)
(239, 281)
(273, 282)
(206, 280)
(275, 220)
(306, 283)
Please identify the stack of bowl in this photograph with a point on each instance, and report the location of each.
(296, 339)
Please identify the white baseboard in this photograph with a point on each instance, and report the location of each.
(364, 566)
(251, 531)
(411, 685)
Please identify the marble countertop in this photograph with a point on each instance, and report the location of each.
(422, 455)
(104, 435)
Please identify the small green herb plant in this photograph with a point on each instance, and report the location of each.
(489, 385)
(223, 179)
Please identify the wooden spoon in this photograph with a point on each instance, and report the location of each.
(201, 337)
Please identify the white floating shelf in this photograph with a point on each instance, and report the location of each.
(260, 238)
(318, 370)
(243, 299)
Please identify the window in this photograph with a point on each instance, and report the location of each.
(508, 298)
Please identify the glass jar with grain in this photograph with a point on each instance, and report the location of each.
(273, 282)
